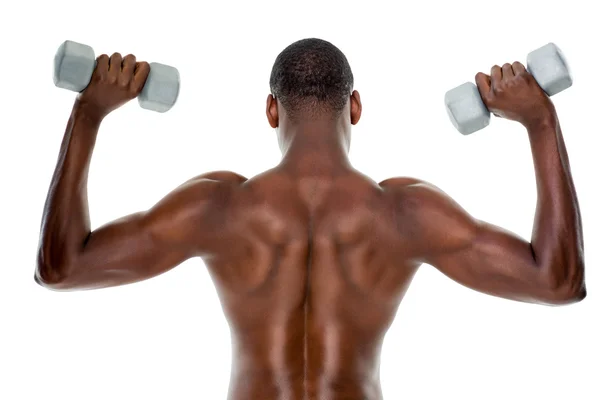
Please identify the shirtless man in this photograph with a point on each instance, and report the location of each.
(311, 258)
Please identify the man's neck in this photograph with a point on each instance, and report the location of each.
(315, 147)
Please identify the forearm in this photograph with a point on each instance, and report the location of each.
(65, 221)
(557, 240)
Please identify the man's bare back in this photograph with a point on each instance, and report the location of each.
(311, 259)
(312, 280)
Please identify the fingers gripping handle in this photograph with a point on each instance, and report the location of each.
(466, 109)
(74, 64)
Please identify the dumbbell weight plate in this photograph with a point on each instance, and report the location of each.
(549, 68)
(74, 64)
(464, 103)
(161, 89)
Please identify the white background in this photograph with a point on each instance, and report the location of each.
(166, 338)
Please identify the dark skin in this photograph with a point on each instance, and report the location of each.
(311, 259)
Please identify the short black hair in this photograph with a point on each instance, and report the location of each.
(311, 77)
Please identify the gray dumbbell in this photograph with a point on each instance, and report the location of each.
(469, 114)
(74, 64)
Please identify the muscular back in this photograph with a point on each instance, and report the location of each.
(310, 282)
(310, 270)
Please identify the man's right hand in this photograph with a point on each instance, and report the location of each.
(511, 92)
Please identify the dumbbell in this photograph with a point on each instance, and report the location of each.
(74, 64)
(469, 114)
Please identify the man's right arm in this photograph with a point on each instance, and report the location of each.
(550, 268)
(484, 257)
(489, 259)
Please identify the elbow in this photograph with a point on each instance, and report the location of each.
(47, 279)
(569, 291)
(49, 276)
(567, 295)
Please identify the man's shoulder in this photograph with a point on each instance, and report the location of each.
(417, 194)
(410, 186)
(399, 182)
(221, 175)
(206, 189)
(434, 220)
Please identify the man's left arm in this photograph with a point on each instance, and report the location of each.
(139, 246)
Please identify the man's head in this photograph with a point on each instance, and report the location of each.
(311, 78)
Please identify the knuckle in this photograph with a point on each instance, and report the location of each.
(506, 65)
(524, 76)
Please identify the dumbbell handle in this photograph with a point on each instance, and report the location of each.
(75, 75)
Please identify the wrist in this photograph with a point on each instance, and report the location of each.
(545, 118)
(88, 112)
